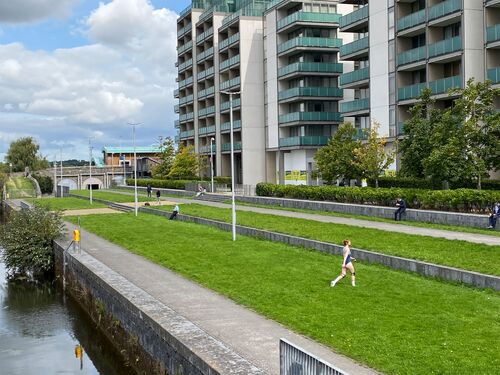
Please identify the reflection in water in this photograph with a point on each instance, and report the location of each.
(39, 334)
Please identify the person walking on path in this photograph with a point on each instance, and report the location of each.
(346, 265)
(495, 214)
(158, 194)
(174, 213)
(149, 189)
(401, 205)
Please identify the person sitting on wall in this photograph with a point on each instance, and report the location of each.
(495, 214)
(401, 205)
(174, 213)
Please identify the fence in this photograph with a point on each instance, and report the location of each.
(296, 361)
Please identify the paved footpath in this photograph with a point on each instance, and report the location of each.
(389, 227)
(250, 335)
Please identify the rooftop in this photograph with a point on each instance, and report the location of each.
(130, 150)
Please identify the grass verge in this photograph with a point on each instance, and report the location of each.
(67, 203)
(396, 322)
(110, 196)
(461, 254)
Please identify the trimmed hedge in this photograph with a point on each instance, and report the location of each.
(460, 200)
(416, 183)
(174, 184)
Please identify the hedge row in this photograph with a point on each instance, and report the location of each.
(173, 184)
(460, 200)
(415, 183)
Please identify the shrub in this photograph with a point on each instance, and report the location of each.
(45, 182)
(459, 200)
(175, 184)
(418, 183)
(27, 241)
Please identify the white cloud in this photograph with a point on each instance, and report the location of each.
(94, 90)
(25, 11)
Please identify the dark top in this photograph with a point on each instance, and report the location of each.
(401, 202)
(158, 193)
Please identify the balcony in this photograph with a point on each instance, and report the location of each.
(353, 106)
(186, 134)
(411, 92)
(205, 73)
(177, 123)
(200, 38)
(186, 117)
(314, 92)
(230, 83)
(206, 130)
(229, 41)
(226, 105)
(445, 47)
(308, 140)
(176, 108)
(494, 75)
(444, 9)
(176, 93)
(308, 17)
(358, 48)
(493, 34)
(226, 126)
(206, 149)
(205, 54)
(226, 147)
(441, 86)
(185, 65)
(412, 56)
(304, 42)
(310, 67)
(186, 82)
(184, 30)
(411, 20)
(235, 60)
(361, 134)
(356, 77)
(206, 92)
(309, 116)
(354, 21)
(206, 111)
(185, 47)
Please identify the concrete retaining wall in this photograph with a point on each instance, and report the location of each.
(176, 343)
(426, 269)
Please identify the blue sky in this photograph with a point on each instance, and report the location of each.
(74, 69)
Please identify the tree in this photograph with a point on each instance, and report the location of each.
(166, 156)
(370, 157)
(23, 153)
(336, 159)
(185, 165)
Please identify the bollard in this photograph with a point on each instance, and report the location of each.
(76, 239)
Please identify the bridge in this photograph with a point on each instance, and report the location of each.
(77, 178)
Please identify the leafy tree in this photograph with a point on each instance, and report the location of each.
(23, 153)
(370, 157)
(27, 241)
(185, 165)
(166, 156)
(46, 183)
(336, 159)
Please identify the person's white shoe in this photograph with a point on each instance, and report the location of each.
(332, 283)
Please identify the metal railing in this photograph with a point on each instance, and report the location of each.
(227, 146)
(230, 83)
(330, 18)
(355, 105)
(445, 46)
(411, 20)
(229, 62)
(410, 92)
(441, 86)
(227, 42)
(493, 33)
(311, 91)
(412, 55)
(310, 42)
(205, 54)
(226, 126)
(309, 116)
(226, 105)
(353, 17)
(311, 67)
(307, 140)
(445, 8)
(206, 130)
(354, 76)
(353, 47)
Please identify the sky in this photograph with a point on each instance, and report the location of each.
(71, 70)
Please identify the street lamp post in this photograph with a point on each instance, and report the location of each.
(55, 177)
(136, 208)
(212, 162)
(233, 204)
(90, 170)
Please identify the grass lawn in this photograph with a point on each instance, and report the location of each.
(460, 254)
(141, 193)
(113, 197)
(67, 203)
(19, 187)
(396, 322)
(454, 228)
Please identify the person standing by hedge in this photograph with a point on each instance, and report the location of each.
(495, 214)
(158, 194)
(401, 205)
(149, 189)
(346, 265)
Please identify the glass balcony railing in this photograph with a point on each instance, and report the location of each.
(186, 117)
(227, 42)
(206, 92)
(310, 42)
(205, 54)
(361, 134)
(311, 91)
(355, 105)
(445, 46)
(177, 123)
(329, 18)
(200, 38)
(186, 134)
(308, 140)
(445, 8)
(226, 105)
(230, 83)
(206, 111)
(177, 139)
(411, 20)
(229, 62)
(185, 65)
(309, 116)
(176, 93)
(186, 82)
(411, 92)
(205, 73)
(227, 146)
(226, 126)
(494, 75)
(441, 86)
(184, 30)
(185, 47)
(353, 47)
(206, 149)
(311, 67)
(186, 99)
(206, 130)
(354, 17)
(354, 76)
(493, 33)
(412, 56)
(176, 108)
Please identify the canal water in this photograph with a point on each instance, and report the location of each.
(42, 332)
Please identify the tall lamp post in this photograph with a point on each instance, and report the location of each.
(136, 208)
(90, 169)
(212, 162)
(233, 204)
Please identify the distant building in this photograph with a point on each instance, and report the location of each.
(118, 156)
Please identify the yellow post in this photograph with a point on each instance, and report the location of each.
(76, 235)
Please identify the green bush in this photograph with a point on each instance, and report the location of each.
(459, 200)
(416, 183)
(45, 182)
(174, 184)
